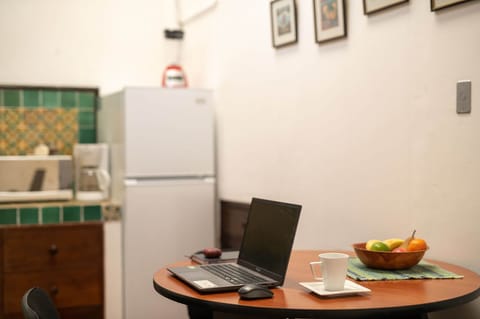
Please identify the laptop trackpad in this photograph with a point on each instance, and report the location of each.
(200, 277)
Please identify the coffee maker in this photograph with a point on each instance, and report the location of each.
(92, 180)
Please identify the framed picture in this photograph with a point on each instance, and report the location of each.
(329, 18)
(283, 15)
(442, 4)
(372, 6)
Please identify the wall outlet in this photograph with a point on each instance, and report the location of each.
(464, 96)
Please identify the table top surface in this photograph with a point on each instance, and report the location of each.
(292, 299)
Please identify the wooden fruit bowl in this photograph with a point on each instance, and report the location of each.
(387, 259)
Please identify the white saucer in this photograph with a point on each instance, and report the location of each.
(350, 288)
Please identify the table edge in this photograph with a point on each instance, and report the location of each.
(246, 309)
(327, 313)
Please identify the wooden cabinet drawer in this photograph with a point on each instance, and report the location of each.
(76, 287)
(32, 248)
(66, 260)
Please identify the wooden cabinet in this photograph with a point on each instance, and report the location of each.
(66, 260)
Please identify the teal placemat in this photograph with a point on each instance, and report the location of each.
(423, 270)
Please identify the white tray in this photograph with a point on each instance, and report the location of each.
(351, 288)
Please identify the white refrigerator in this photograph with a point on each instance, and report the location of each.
(163, 176)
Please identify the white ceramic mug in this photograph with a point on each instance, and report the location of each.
(333, 268)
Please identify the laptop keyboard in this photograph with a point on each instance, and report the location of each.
(233, 274)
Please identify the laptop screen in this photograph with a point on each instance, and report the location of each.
(268, 238)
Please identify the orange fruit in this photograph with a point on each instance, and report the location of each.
(417, 244)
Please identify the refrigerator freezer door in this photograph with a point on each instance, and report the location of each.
(168, 132)
(163, 221)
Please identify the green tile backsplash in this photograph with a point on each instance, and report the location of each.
(87, 135)
(52, 213)
(86, 100)
(50, 99)
(71, 214)
(86, 119)
(29, 215)
(92, 213)
(11, 98)
(8, 216)
(31, 98)
(57, 117)
(68, 99)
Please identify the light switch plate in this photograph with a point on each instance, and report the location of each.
(464, 96)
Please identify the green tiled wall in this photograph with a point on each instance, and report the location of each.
(50, 214)
(57, 117)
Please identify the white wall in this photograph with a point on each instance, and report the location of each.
(361, 131)
(104, 43)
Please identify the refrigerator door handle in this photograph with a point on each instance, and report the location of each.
(130, 182)
(139, 181)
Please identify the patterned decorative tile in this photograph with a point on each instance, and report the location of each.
(58, 118)
(26, 128)
(8, 216)
(29, 215)
(91, 213)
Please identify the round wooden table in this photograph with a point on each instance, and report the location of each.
(388, 299)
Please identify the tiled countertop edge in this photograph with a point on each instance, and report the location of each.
(57, 212)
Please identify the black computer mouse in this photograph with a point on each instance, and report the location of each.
(252, 291)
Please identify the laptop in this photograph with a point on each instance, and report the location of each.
(263, 256)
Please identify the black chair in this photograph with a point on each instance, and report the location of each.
(37, 304)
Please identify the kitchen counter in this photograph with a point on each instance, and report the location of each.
(77, 213)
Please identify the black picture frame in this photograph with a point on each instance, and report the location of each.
(374, 6)
(436, 5)
(283, 17)
(330, 20)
